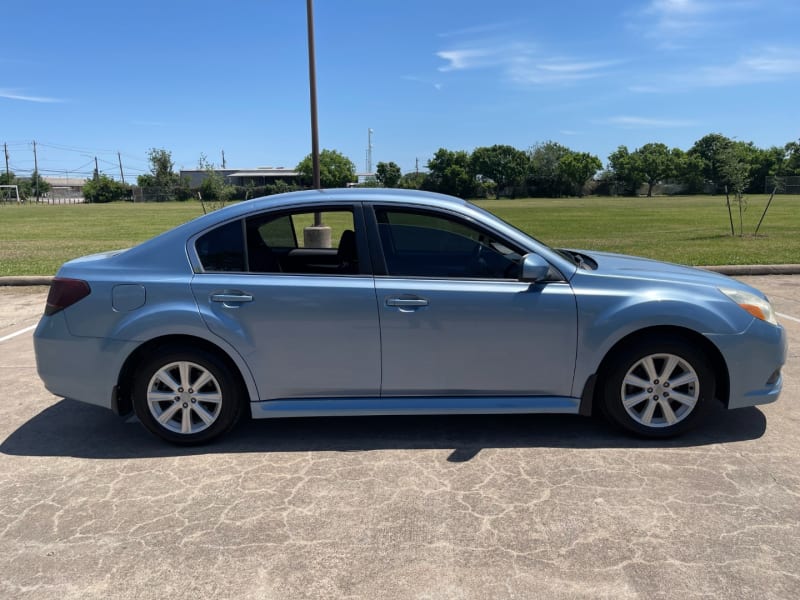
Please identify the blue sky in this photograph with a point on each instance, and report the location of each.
(91, 78)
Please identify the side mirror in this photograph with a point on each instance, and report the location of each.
(534, 268)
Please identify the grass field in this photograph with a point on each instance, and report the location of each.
(693, 230)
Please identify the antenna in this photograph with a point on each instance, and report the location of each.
(369, 150)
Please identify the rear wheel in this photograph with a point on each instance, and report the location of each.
(186, 396)
(658, 388)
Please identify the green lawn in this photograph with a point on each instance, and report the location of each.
(692, 230)
(695, 230)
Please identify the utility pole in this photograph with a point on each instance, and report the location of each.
(36, 170)
(318, 236)
(96, 169)
(121, 174)
(312, 81)
(5, 147)
(223, 159)
(369, 150)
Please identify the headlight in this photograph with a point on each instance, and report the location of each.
(755, 305)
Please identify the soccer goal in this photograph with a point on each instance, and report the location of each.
(9, 193)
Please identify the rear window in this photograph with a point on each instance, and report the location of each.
(222, 249)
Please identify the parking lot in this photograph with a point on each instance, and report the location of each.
(414, 507)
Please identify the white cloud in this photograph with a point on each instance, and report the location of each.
(477, 29)
(671, 22)
(648, 122)
(556, 71)
(770, 64)
(487, 54)
(522, 63)
(16, 95)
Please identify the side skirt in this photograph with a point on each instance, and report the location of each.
(341, 407)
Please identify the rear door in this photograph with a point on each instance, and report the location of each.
(303, 316)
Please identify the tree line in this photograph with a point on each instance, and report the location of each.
(27, 187)
(714, 163)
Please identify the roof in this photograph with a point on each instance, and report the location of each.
(65, 181)
(265, 173)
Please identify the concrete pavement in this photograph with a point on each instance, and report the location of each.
(435, 507)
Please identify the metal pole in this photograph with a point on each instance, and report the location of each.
(312, 82)
(36, 170)
(369, 150)
(121, 174)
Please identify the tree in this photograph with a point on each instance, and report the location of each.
(576, 168)
(105, 189)
(335, 170)
(449, 173)
(709, 148)
(733, 168)
(791, 166)
(388, 174)
(651, 164)
(655, 163)
(162, 183)
(27, 186)
(627, 173)
(504, 165)
(7, 179)
(733, 171)
(213, 186)
(544, 175)
(413, 180)
(688, 170)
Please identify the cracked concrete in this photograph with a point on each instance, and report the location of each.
(428, 508)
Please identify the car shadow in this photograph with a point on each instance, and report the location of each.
(70, 428)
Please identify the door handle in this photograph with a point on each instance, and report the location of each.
(231, 298)
(406, 302)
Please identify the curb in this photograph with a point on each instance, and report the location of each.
(742, 270)
(732, 270)
(20, 280)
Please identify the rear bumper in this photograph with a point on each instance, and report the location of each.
(754, 359)
(78, 368)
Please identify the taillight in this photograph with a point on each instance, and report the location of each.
(65, 292)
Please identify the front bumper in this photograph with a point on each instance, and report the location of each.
(753, 359)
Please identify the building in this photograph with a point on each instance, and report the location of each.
(260, 176)
(65, 188)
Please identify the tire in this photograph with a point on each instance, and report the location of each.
(168, 401)
(657, 388)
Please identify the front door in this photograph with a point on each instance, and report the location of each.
(456, 321)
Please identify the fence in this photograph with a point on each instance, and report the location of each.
(789, 184)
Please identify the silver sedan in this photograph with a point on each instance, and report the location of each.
(399, 303)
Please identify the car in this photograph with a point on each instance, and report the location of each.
(388, 302)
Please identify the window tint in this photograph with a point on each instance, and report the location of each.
(277, 243)
(222, 249)
(418, 244)
(279, 232)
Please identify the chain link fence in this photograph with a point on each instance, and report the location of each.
(789, 184)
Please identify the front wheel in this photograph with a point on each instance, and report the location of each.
(186, 396)
(658, 388)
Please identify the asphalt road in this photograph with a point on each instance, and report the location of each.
(92, 506)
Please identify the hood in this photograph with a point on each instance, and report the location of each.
(621, 265)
